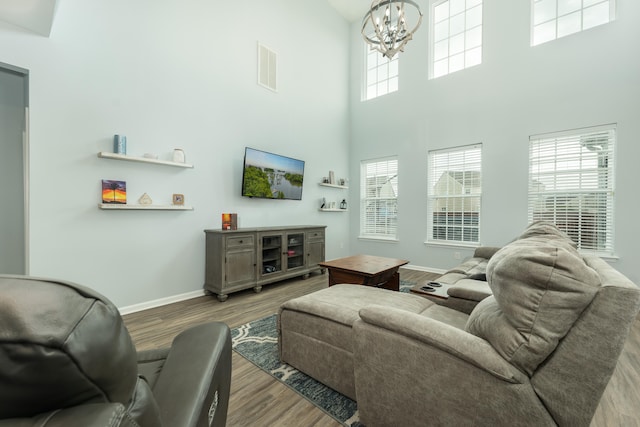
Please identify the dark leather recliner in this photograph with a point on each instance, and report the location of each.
(66, 359)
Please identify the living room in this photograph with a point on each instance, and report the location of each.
(170, 76)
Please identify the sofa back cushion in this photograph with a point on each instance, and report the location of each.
(540, 287)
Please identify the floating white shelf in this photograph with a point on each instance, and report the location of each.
(114, 156)
(333, 185)
(332, 210)
(107, 206)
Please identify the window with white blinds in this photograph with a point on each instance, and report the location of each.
(571, 184)
(552, 19)
(382, 75)
(454, 195)
(379, 199)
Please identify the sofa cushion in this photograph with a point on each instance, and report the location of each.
(540, 287)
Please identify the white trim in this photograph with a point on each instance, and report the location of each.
(425, 269)
(160, 302)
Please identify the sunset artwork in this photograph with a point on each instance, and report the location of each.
(114, 191)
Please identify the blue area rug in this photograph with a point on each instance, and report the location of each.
(257, 342)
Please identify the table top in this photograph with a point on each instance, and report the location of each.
(366, 264)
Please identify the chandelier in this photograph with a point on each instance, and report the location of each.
(385, 28)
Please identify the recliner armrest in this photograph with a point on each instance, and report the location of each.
(195, 381)
(469, 289)
(485, 251)
(454, 341)
(89, 415)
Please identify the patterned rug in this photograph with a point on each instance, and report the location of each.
(257, 342)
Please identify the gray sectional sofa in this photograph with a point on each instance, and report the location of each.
(539, 351)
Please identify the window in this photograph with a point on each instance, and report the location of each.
(381, 74)
(552, 19)
(456, 35)
(379, 199)
(571, 184)
(454, 195)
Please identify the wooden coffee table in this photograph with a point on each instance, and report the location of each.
(365, 270)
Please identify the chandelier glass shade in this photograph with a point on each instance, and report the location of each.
(390, 24)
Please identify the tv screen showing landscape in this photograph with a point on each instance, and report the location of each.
(271, 176)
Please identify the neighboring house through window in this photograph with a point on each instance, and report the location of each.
(571, 184)
(381, 74)
(454, 195)
(552, 19)
(456, 35)
(379, 199)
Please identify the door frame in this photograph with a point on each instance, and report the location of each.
(24, 73)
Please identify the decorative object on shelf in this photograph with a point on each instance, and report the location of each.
(342, 182)
(114, 192)
(325, 180)
(229, 221)
(324, 203)
(178, 156)
(332, 177)
(145, 199)
(343, 204)
(150, 156)
(178, 199)
(119, 144)
(385, 28)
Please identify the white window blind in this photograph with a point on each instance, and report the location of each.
(456, 35)
(552, 19)
(454, 195)
(382, 74)
(379, 199)
(571, 184)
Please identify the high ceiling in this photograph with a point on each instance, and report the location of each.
(32, 15)
(352, 10)
(37, 15)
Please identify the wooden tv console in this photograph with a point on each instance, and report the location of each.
(251, 257)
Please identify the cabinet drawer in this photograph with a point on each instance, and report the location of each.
(240, 241)
(315, 235)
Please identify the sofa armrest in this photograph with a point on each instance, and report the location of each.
(456, 342)
(485, 251)
(195, 381)
(469, 289)
(88, 415)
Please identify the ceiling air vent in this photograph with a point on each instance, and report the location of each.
(267, 68)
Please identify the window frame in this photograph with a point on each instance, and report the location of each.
(558, 16)
(390, 66)
(471, 162)
(576, 205)
(390, 228)
(465, 49)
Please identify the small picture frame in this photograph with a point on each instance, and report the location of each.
(178, 199)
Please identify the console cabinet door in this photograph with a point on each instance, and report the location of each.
(315, 248)
(240, 261)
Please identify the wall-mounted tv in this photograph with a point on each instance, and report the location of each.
(271, 176)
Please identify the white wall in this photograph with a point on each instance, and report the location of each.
(582, 80)
(174, 74)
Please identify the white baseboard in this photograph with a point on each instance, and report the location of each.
(176, 298)
(160, 302)
(425, 269)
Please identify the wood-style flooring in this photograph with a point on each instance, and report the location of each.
(257, 399)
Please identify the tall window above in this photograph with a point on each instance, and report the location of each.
(456, 41)
(379, 199)
(571, 184)
(552, 19)
(454, 195)
(381, 74)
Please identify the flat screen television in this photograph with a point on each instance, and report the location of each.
(271, 176)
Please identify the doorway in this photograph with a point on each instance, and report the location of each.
(14, 109)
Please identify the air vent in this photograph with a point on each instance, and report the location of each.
(267, 68)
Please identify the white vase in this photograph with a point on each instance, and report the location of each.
(178, 156)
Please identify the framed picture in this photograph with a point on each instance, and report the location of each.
(178, 199)
(114, 192)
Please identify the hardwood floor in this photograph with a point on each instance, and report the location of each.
(259, 400)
